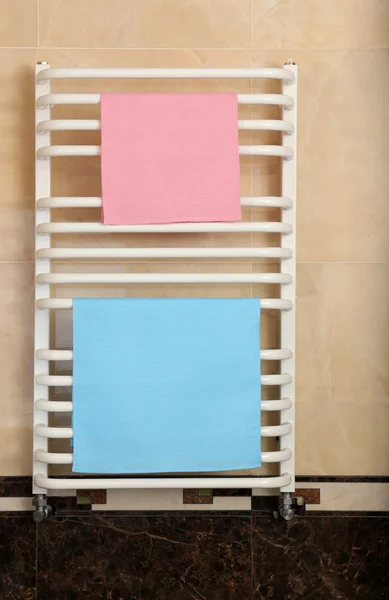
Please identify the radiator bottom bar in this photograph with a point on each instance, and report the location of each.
(164, 483)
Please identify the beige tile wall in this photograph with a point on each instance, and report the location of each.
(342, 49)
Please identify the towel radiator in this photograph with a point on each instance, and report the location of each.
(45, 304)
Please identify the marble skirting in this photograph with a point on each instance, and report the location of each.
(182, 556)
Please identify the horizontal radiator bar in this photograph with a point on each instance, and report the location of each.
(67, 303)
(96, 202)
(67, 407)
(165, 483)
(167, 73)
(101, 252)
(67, 380)
(64, 458)
(50, 100)
(95, 125)
(94, 227)
(117, 278)
(281, 354)
(53, 151)
(67, 432)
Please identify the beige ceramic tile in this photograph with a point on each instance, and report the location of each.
(266, 181)
(15, 504)
(340, 435)
(18, 23)
(166, 499)
(142, 58)
(211, 290)
(354, 496)
(269, 318)
(350, 496)
(342, 369)
(81, 176)
(266, 170)
(343, 180)
(16, 370)
(320, 24)
(16, 435)
(17, 154)
(269, 338)
(62, 321)
(151, 24)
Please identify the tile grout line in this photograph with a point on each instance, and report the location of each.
(128, 48)
(36, 560)
(183, 48)
(251, 553)
(251, 24)
(342, 262)
(154, 262)
(37, 23)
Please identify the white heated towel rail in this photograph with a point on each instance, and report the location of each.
(45, 277)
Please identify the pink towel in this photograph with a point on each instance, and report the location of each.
(169, 158)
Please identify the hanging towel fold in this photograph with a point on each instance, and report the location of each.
(166, 385)
(169, 158)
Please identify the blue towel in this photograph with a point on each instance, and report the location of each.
(166, 385)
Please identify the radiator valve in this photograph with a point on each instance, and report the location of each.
(285, 509)
(42, 509)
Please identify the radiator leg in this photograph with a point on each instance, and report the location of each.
(285, 509)
(42, 509)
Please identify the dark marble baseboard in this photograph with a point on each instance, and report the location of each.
(157, 558)
(17, 558)
(320, 559)
(16, 486)
(181, 556)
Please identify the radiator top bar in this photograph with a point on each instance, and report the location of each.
(178, 73)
